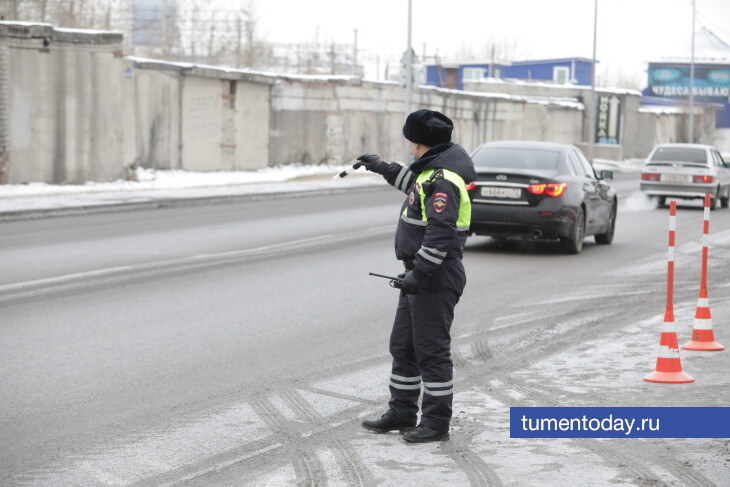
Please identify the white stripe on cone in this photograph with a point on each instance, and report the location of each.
(666, 352)
(669, 327)
(703, 324)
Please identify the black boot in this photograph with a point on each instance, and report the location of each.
(424, 434)
(389, 422)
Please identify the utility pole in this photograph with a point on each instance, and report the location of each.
(409, 64)
(250, 47)
(165, 39)
(692, 82)
(354, 56)
(333, 60)
(592, 110)
(238, 43)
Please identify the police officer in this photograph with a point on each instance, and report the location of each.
(429, 240)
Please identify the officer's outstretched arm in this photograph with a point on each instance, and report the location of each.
(399, 176)
(442, 212)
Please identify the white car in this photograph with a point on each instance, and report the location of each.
(686, 171)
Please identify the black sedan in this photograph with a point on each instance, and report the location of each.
(541, 190)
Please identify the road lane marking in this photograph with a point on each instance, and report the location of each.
(14, 291)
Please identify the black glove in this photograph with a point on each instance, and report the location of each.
(372, 163)
(412, 286)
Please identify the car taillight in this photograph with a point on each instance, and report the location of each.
(471, 186)
(649, 176)
(551, 189)
(702, 179)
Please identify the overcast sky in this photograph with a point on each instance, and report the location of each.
(630, 32)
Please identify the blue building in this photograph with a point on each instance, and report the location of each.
(574, 71)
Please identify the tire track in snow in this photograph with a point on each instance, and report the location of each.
(347, 458)
(535, 350)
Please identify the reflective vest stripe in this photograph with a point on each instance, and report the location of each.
(412, 221)
(464, 220)
(435, 260)
(401, 182)
(434, 251)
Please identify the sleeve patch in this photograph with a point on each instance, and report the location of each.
(440, 201)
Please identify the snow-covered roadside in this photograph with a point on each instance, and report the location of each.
(152, 186)
(155, 186)
(627, 165)
(149, 179)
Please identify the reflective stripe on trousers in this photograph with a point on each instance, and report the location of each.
(420, 344)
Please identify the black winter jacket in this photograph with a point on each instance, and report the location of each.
(423, 246)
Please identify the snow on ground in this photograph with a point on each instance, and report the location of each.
(178, 179)
(156, 186)
(174, 179)
(627, 165)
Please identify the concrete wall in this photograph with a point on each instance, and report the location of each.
(201, 125)
(661, 125)
(154, 118)
(253, 113)
(637, 131)
(63, 106)
(72, 109)
(317, 121)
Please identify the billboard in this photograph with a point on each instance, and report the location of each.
(608, 120)
(711, 82)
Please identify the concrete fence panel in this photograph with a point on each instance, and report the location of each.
(73, 110)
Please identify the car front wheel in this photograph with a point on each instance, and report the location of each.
(574, 243)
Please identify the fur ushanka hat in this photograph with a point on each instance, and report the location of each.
(428, 127)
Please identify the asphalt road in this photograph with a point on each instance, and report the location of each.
(227, 344)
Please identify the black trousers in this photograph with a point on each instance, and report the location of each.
(420, 344)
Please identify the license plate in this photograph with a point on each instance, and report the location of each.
(676, 178)
(497, 192)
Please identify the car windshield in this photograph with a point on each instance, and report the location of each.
(516, 158)
(679, 154)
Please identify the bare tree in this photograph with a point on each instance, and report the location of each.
(493, 50)
(619, 78)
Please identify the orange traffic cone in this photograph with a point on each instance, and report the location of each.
(703, 337)
(668, 365)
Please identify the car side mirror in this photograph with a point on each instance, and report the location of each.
(606, 174)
